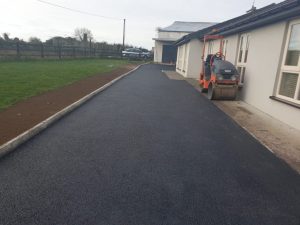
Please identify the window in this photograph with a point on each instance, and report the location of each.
(224, 45)
(210, 47)
(247, 49)
(288, 84)
(244, 48)
(244, 45)
(242, 71)
(241, 49)
(289, 80)
(293, 48)
(185, 53)
(179, 59)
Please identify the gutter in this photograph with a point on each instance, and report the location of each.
(290, 14)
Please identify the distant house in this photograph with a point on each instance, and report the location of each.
(164, 50)
(264, 44)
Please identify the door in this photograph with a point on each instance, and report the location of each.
(169, 54)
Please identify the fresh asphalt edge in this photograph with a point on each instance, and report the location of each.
(246, 129)
(11, 145)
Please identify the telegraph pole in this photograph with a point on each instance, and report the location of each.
(124, 27)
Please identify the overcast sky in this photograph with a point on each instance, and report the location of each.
(26, 18)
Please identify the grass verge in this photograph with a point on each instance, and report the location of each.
(23, 79)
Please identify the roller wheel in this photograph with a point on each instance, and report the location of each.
(211, 92)
(202, 89)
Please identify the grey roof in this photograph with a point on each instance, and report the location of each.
(251, 20)
(180, 26)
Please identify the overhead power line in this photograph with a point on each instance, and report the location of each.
(78, 11)
(88, 13)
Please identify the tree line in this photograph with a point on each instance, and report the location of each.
(82, 37)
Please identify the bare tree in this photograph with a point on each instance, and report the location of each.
(81, 32)
(6, 36)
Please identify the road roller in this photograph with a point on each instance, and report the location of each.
(219, 78)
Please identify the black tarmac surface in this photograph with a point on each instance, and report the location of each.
(147, 151)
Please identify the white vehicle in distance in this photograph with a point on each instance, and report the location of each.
(135, 53)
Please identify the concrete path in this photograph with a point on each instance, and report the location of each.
(147, 151)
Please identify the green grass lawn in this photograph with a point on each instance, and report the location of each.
(23, 79)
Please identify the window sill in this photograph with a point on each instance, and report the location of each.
(285, 101)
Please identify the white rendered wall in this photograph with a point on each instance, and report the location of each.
(262, 69)
(194, 61)
(264, 60)
(158, 49)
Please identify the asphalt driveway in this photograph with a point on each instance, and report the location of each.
(147, 151)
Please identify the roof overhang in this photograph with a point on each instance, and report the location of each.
(164, 39)
(282, 11)
(285, 15)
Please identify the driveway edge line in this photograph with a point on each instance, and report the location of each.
(11, 145)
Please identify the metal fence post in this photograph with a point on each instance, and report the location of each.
(90, 48)
(18, 49)
(59, 51)
(42, 50)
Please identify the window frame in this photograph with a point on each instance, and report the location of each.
(185, 54)
(180, 58)
(289, 69)
(243, 53)
(224, 47)
(244, 45)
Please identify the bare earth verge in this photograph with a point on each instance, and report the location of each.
(26, 114)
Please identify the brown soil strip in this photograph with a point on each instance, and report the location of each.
(26, 114)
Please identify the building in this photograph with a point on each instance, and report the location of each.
(164, 50)
(264, 44)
